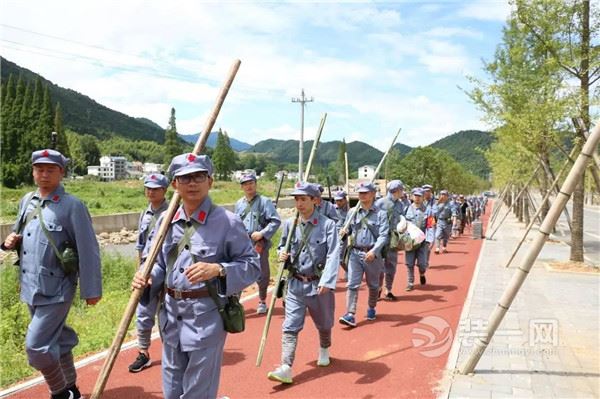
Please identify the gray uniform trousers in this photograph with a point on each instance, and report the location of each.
(356, 268)
(390, 264)
(197, 372)
(265, 272)
(48, 336)
(421, 257)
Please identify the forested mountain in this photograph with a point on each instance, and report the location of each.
(286, 152)
(86, 116)
(464, 146)
(467, 147)
(237, 145)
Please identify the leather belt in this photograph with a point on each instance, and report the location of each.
(364, 249)
(188, 294)
(304, 278)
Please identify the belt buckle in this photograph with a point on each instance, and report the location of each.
(177, 294)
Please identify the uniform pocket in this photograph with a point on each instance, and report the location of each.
(50, 281)
(204, 252)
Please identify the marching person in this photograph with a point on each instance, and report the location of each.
(313, 263)
(341, 207)
(443, 229)
(155, 188)
(394, 207)
(418, 214)
(261, 222)
(369, 231)
(205, 249)
(51, 229)
(325, 207)
(428, 198)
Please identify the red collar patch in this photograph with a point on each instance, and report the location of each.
(202, 216)
(177, 214)
(45, 153)
(191, 158)
(315, 220)
(55, 198)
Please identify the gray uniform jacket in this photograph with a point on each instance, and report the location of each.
(373, 232)
(321, 248)
(146, 224)
(328, 209)
(261, 216)
(443, 213)
(220, 238)
(393, 208)
(67, 219)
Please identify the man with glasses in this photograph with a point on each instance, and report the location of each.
(155, 188)
(261, 221)
(206, 249)
(51, 229)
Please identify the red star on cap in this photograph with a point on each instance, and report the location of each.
(191, 158)
(362, 184)
(202, 216)
(153, 177)
(298, 184)
(45, 153)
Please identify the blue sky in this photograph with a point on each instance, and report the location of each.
(372, 66)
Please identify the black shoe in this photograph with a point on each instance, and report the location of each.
(75, 390)
(422, 279)
(140, 363)
(391, 296)
(64, 394)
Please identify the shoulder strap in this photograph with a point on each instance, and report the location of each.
(248, 208)
(25, 218)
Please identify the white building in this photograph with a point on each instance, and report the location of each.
(150, 168)
(111, 168)
(366, 172)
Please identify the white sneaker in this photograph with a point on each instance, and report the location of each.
(261, 308)
(281, 374)
(323, 357)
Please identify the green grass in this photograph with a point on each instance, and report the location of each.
(95, 325)
(122, 196)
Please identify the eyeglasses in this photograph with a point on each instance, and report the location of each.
(196, 177)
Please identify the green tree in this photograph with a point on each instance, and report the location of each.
(172, 145)
(339, 169)
(84, 151)
(223, 157)
(392, 159)
(62, 144)
(565, 31)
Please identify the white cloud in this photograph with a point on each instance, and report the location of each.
(486, 10)
(446, 32)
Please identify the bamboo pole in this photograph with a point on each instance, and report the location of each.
(288, 241)
(498, 204)
(353, 211)
(521, 273)
(157, 244)
(347, 174)
(540, 209)
(516, 200)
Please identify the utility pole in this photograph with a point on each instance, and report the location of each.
(302, 100)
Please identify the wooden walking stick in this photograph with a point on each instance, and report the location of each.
(539, 210)
(518, 197)
(280, 270)
(347, 174)
(157, 245)
(544, 232)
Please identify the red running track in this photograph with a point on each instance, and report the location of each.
(391, 357)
